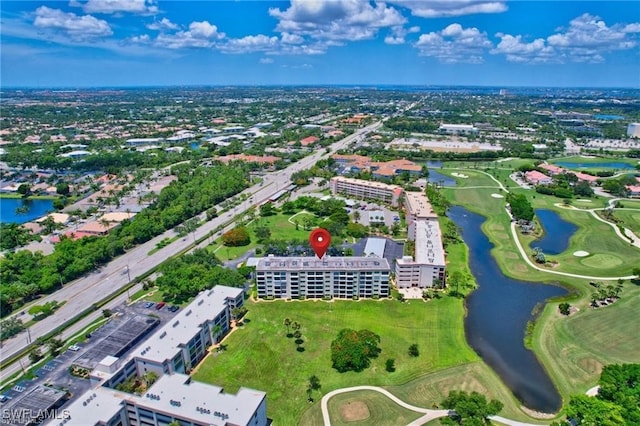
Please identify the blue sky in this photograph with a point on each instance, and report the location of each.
(82, 43)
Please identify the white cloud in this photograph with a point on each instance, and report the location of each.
(147, 7)
(266, 60)
(162, 25)
(448, 8)
(587, 39)
(454, 44)
(337, 20)
(80, 27)
(200, 34)
(518, 51)
(289, 38)
(399, 33)
(252, 43)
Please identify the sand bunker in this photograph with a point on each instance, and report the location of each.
(497, 195)
(581, 253)
(459, 175)
(583, 200)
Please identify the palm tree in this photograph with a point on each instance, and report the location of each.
(287, 323)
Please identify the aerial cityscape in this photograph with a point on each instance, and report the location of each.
(319, 213)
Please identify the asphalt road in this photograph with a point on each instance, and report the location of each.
(82, 293)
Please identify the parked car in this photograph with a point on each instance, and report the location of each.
(173, 308)
(149, 304)
(160, 305)
(74, 348)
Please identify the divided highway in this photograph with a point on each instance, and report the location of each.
(82, 293)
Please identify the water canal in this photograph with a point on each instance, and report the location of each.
(497, 316)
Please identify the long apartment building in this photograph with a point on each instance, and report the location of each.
(170, 353)
(365, 189)
(313, 278)
(428, 265)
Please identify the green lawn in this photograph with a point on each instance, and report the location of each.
(629, 218)
(589, 160)
(379, 410)
(260, 355)
(280, 227)
(574, 348)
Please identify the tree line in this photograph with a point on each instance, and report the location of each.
(24, 275)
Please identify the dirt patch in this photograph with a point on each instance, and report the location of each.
(354, 411)
(537, 414)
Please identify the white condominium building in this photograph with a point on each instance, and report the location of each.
(312, 278)
(170, 352)
(417, 207)
(365, 189)
(428, 267)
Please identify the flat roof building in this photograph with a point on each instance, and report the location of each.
(170, 352)
(458, 129)
(427, 268)
(365, 189)
(329, 277)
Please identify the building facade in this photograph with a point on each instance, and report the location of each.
(365, 189)
(169, 353)
(330, 277)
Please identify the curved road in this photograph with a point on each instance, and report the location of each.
(428, 413)
(82, 293)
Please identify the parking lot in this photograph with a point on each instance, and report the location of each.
(127, 326)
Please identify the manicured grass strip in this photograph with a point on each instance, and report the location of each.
(260, 355)
(368, 407)
(630, 219)
(574, 348)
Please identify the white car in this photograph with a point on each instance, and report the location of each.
(74, 348)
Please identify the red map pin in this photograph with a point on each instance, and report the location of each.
(320, 239)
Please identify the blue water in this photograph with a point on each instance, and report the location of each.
(557, 232)
(497, 316)
(572, 165)
(37, 208)
(195, 146)
(439, 178)
(608, 117)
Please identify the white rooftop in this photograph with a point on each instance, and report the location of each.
(203, 403)
(375, 246)
(429, 243)
(163, 344)
(419, 205)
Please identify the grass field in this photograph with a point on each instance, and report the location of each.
(260, 355)
(279, 226)
(629, 218)
(367, 407)
(590, 160)
(574, 349)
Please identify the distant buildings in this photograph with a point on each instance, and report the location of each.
(330, 277)
(174, 397)
(366, 189)
(633, 130)
(536, 178)
(458, 129)
(378, 169)
(260, 159)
